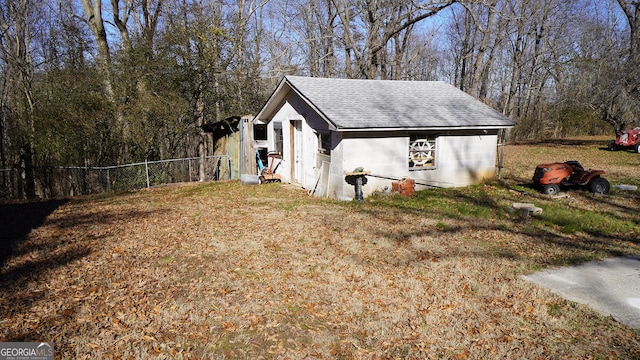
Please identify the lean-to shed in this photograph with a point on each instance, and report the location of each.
(232, 140)
(428, 131)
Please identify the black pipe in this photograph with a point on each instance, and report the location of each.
(358, 181)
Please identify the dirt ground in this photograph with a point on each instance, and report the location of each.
(222, 270)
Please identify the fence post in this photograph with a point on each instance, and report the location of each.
(146, 169)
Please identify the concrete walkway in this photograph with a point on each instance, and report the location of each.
(611, 286)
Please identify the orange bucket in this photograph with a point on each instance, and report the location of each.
(404, 187)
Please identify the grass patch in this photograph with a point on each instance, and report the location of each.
(477, 201)
(572, 220)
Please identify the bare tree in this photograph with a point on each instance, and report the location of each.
(311, 27)
(369, 26)
(616, 91)
(632, 13)
(478, 34)
(18, 21)
(631, 10)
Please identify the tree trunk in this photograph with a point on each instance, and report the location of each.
(93, 12)
(480, 72)
(18, 98)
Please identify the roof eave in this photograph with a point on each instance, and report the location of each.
(332, 125)
(261, 114)
(264, 118)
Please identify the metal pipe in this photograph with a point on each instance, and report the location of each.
(417, 183)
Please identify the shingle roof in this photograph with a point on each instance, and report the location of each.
(366, 104)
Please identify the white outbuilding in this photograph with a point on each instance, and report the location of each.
(428, 131)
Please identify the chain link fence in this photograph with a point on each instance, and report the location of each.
(64, 181)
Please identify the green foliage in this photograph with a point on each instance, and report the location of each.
(128, 178)
(559, 121)
(72, 119)
(577, 121)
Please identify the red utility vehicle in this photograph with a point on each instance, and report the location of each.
(550, 178)
(626, 139)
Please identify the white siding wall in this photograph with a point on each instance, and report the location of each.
(310, 171)
(380, 156)
(464, 160)
(336, 182)
(303, 163)
(460, 161)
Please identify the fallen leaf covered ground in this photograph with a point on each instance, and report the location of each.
(222, 270)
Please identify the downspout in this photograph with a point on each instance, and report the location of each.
(241, 159)
(501, 156)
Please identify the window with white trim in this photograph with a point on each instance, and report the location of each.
(422, 152)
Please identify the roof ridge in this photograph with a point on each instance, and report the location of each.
(348, 79)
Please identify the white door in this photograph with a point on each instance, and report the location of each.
(296, 147)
